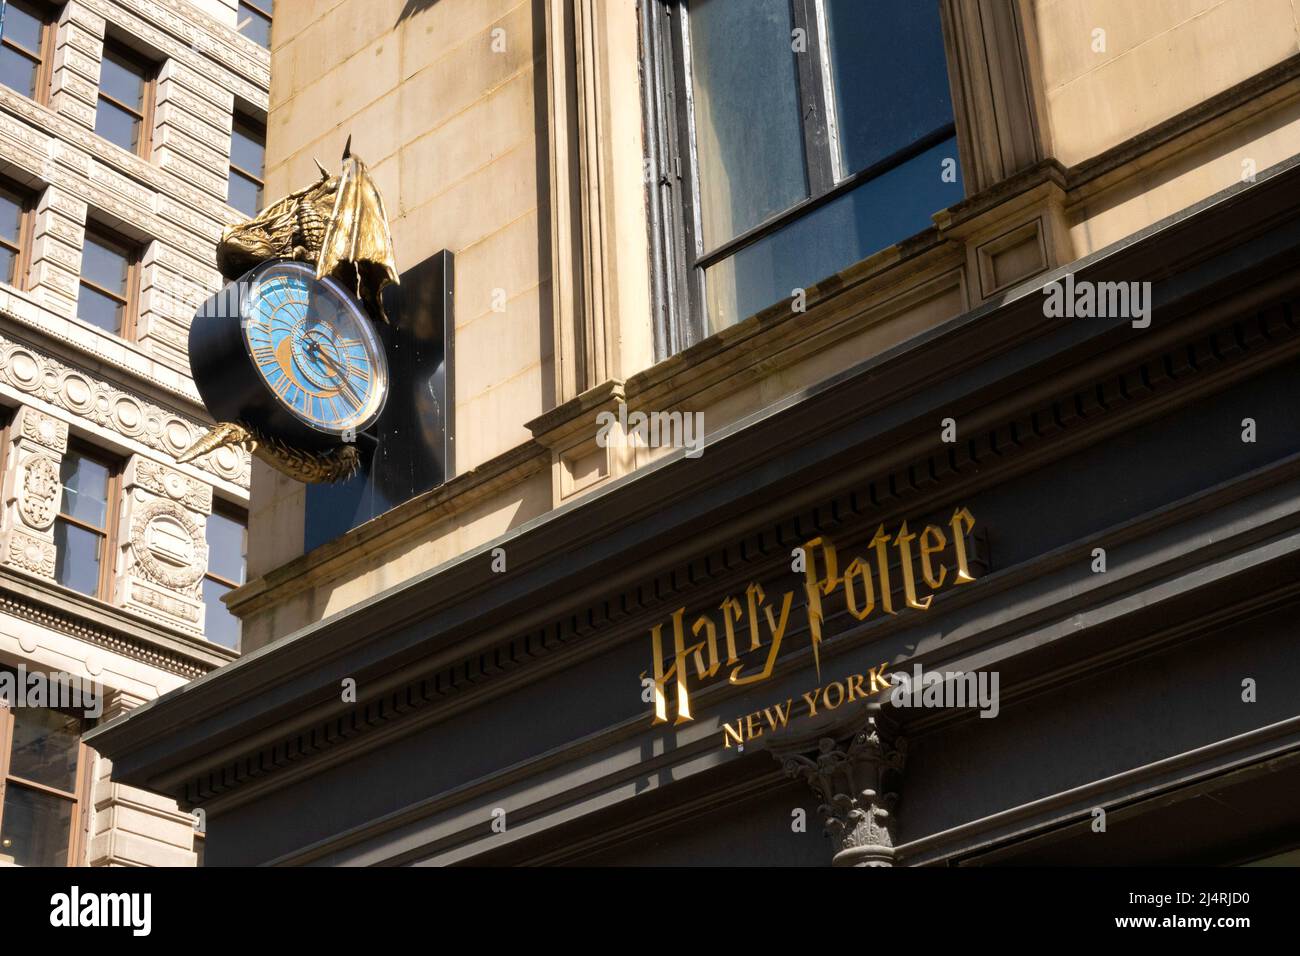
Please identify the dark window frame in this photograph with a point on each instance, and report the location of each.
(257, 8)
(134, 254)
(678, 257)
(149, 75)
(116, 467)
(44, 57)
(22, 251)
(238, 515)
(79, 798)
(258, 130)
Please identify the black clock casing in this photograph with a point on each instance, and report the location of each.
(228, 380)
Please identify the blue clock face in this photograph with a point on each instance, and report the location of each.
(313, 345)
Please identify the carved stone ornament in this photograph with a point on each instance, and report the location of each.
(30, 553)
(164, 604)
(48, 379)
(40, 491)
(170, 483)
(168, 545)
(857, 775)
(45, 430)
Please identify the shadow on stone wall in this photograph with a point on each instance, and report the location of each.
(412, 8)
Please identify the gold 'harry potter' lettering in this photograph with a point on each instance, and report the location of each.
(928, 551)
(962, 517)
(909, 580)
(864, 591)
(816, 587)
(778, 633)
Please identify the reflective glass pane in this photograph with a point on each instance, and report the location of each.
(117, 126)
(8, 263)
(99, 310)
(23, 26)
(874, 215)
(890, 76)
(11, 216)
(219, 625)
(247, 150)
(35, 828)
(76, 562)
(254, 25)
(105, 265)
(244, 194)
(85, 489)
(122, 80)
(45, 747)
(227, 543)
(18, 72)
(748, 132)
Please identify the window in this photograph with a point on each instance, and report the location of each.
(227, 536)
(82, 531)
(16, 219)
(789, 139)
(247, 165)
(109, 280)
(25, 47)
(125, 99)
(44, 770)
(255, 20)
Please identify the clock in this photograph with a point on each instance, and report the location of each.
(294, 356)
(315, 349)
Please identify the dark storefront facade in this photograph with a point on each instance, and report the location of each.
(1101, 514)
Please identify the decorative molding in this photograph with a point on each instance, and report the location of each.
(38, 502)
(599, 256)
(157, 523)
(50, 380)
(29, 553)
(185, 33)
(40, 612)
(43, 429)
(40, 141)
(166, 604)
(1000, 129)
(170, 483)
(119, 702)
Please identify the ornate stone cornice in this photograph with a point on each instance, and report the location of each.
(43, 377)
(40, 605)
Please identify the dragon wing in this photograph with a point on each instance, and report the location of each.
(357, 235)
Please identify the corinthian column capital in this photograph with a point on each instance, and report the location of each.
(856, 770)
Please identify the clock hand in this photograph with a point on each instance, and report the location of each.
(344, 385)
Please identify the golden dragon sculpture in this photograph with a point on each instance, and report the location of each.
(340, 224)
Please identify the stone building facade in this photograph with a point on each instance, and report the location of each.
(128, 133)
(832, 240)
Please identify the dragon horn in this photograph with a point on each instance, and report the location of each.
(324, 173)
(221, 436)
